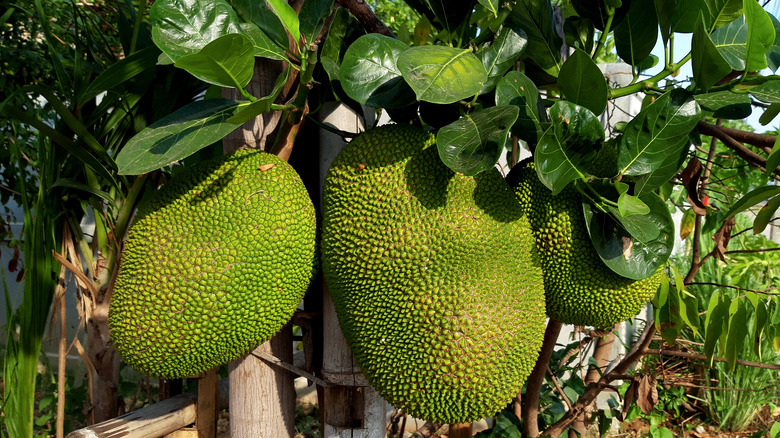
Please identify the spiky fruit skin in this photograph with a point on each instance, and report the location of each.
(421, 264)
(579, 288)
(215, 265)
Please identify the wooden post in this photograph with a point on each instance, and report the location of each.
(460, 430)
(352, 408)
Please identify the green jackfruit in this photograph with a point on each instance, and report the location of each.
(421, 263)
(579, 288)
(214, 265)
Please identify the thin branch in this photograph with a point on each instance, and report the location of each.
(687, 355)
(728, 286)
(558, 388)
(741, 251)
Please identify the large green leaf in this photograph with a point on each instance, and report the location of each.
(768, 91)
(178, 135)
(441, 74)
(723, 12)
(490, 5)
(369, 73)
(709, 66)
(228, 61)
(625, 254)
(714, 322)
(517, 89)
(664, 12)
(582, 82)
(262, 44)
(260, 14)
(566, 146)
(312, 18)
(635, 37)
(287, 15)
(183, 27)
(659, 130)
(535, 17)
(725, 104)
(121, 71)
(447, 15)
(760, 35)
(687, 13)
(752, 198)
(737, 331)
(474, 142)
(501, 55)
(730, 41)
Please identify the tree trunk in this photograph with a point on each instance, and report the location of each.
(262, 398)
(352, 408)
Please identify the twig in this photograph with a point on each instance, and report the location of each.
(558, 388)
(687, 355)
(728, 286)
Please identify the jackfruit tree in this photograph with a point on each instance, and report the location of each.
(441, 271)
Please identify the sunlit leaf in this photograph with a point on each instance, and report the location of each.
(708, 65)
(582, 82)
(228, 61)
(760, 35)
(441, 74)
(517, 89)
(501, 55)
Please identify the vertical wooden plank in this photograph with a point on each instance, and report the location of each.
(208, 401)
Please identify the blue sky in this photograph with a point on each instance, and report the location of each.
(682, 45)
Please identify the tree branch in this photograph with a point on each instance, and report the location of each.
(592, 391)
(530, 409)
(366, 16)
(763, 141)
(729, 141)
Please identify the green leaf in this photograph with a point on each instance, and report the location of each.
(730, 41)
(631, 205)
(760, 327)
(491, 6)
(725, 104)
(312, 18)
(262, 44)
(659, 300)
(715, 322)
(261, 105)
(448, 14)
(659, 130)
(660, 176)
(535, 17)
(687, 223)
(774, 157)
(501, 55)
(723, 12)
(765, 215)
(768, 91)
(474, 143)
(625, 254)
(579, 33)
(737, 332)
(227, 61)
(687, 12)
(664, 11)
(566, 146)
(769, 115)
(121, 72)
(441, 74)
(178, 135)
(287, 15)
(773, 53)
(709, 66)
(517, 89)
(636, 35)
(369, 73)
(774, 432)
(689, 309)
(760, 35)
(752, 198)
(183, 27)
(261, 15)
(582, 82)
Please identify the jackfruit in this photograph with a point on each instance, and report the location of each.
(422, 267)
(214, 265)
(579, 288)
